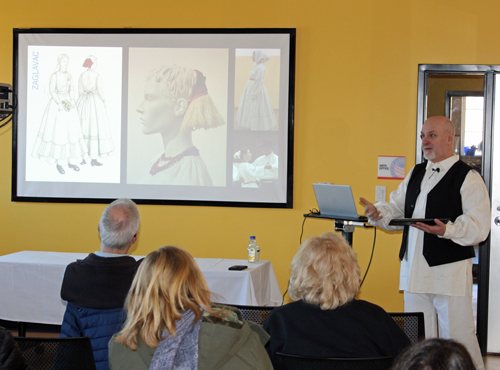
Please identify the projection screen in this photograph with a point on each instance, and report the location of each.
(167, 116)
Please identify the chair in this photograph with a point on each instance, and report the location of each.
(292, 362)
(255, 314)
(57, 353)
(412, 324)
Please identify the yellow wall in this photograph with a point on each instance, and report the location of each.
(356, 95)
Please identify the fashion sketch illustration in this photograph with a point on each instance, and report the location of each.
(91, 105)
(255, 111)
(60, 140)
(176, 102)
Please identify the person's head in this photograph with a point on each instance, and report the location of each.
(259, 56)
(168, 282)
(266, 146)
(245, 155)
(90, 62)
(325, 272)
(63, 61)
(177, 98)
(119, 225)
(437, 138)
(434, 354)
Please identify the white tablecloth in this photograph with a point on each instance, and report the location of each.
(31, 283)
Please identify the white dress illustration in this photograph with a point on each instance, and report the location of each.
(60, 140)
(92, 112)
(255, 111)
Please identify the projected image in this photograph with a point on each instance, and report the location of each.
(177, 133)
(194, 117)
(257, 109)
(256, 165)
(68, 128)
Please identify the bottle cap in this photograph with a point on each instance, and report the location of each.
(252, 237)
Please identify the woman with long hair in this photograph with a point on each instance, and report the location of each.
(172, 323)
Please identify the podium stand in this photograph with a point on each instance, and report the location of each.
(344, 224)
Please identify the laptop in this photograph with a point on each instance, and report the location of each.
(336, 201)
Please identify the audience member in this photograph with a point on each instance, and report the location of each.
(326, 320)
(96, 286)
(435, 354)
(10, 355)
(172, 324)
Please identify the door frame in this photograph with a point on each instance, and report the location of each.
(489, 72)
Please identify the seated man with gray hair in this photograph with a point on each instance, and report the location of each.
(96, 286)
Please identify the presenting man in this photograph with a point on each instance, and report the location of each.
(96, 286)
(436, 260)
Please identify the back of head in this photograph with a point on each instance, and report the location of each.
(435, 354)
(325, 272)
(167, 283)
(119, 224)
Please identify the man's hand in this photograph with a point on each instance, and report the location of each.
(371, 211)
(438, 229)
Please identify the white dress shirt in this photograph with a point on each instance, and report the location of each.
(470, 228)
(269, 173)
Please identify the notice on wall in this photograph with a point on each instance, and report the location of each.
(391, 168)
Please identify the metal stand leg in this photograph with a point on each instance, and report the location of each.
(21, 329)
(347, 230)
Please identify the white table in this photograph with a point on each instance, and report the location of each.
(31, 284)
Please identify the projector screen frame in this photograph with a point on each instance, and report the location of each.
(282, 137)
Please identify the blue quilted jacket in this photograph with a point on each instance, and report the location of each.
(97, 324)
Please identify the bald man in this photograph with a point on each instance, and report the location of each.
(436, 260)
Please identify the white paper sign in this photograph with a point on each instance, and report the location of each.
(392, 168)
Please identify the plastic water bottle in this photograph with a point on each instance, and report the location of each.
(252, 250)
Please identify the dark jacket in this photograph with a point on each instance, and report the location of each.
(95, 289)
(358, 329)
(10, 355)
(98, 325)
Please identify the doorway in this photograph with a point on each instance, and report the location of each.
(466, 95)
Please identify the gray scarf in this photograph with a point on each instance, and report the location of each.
(181, 352)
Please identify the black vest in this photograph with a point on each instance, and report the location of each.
(443, 201)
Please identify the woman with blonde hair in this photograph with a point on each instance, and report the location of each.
(172, 323)
(326, 320)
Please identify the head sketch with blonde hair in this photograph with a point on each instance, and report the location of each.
(168, 282)
(185, 83)
(325, 272)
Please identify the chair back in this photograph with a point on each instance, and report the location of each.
(412, 324)
(292, 362)
(255, 314)
(57, 353)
